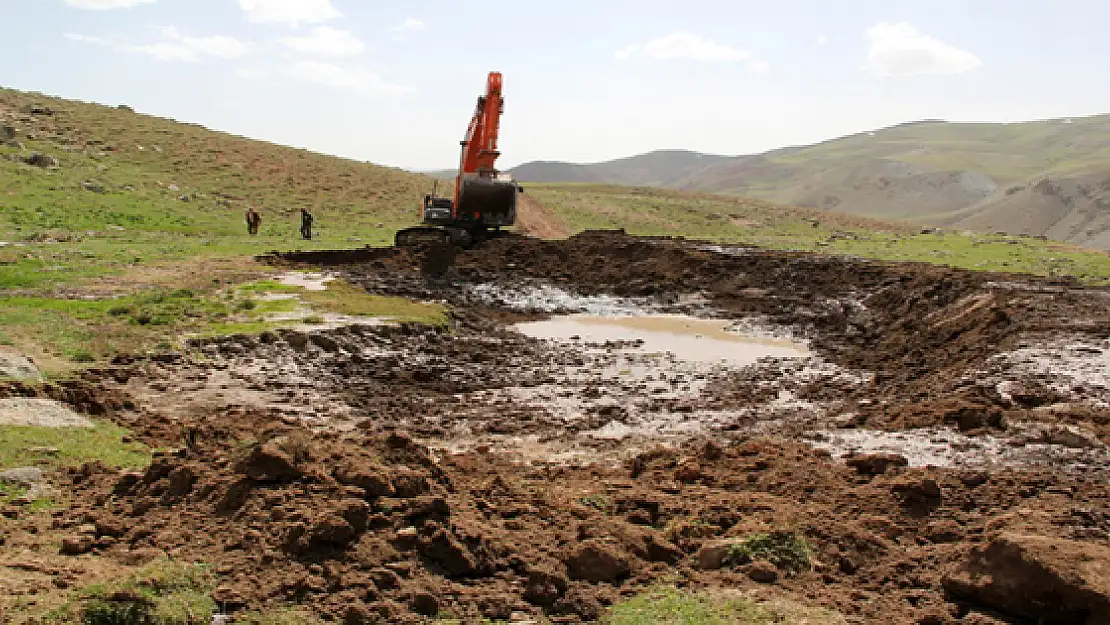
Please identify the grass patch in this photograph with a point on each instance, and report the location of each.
(163, 593)
(78, 331)
(788, 551)
(21, 446)
(670, 606)
(346, 299)
(279, 616)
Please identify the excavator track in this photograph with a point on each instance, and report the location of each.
(417, 236)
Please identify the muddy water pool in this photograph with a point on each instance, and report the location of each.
(687, 338)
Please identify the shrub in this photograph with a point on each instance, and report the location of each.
(788, 551)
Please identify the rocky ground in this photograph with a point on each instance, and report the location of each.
(939, 441)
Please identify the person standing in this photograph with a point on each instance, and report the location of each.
(254, 220)
(306, 224)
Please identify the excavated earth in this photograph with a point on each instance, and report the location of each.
(938, 436)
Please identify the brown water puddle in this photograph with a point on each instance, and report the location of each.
(687, 338)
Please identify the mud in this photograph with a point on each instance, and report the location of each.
(923, 427)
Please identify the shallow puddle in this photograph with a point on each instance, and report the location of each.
(687, 338)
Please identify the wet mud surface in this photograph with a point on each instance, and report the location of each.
(604, 412)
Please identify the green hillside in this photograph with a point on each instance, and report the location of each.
(960, 175)
(123, 232)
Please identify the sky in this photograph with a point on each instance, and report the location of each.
(395, 83)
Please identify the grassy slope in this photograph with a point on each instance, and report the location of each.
(727, 219)
(850, 174)
(1007, 153)
(138, 237)
(141, 207)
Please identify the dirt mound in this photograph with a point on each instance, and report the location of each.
(377, 522)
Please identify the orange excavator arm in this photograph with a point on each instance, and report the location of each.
(485, 199)
(479, 147)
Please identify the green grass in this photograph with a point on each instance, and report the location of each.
(740, 221)
(63, 242)
(75, 446)
(788, 551)
(162, 593)
(90, 330)
(670, 606)
(346, 299)
(269, 286)
(11, 492)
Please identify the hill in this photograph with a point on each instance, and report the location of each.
(123, 232)
(1042, 178)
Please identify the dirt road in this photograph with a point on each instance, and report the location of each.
(535, 219)
(607, 413)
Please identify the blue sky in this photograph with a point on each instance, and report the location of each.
(585, 80)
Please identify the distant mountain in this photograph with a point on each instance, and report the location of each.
(1049, 177)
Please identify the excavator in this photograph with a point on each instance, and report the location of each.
(485, 199)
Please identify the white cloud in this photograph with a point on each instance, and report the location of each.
(85, 39)
(684, 45)
(218, 46)
(759, 66)
(289, 12)
(104, 5)
(177, 47)
(356, 80)
(899, 49)
(410, 24)
(165, 51)
(822, 40)
(326, 41)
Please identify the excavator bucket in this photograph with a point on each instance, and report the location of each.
(493, 198)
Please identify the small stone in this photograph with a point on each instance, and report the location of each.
(38, 159)
(76, 545)
(23, 476)
(712, 555)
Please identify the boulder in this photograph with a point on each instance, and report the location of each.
(596, 561)
(875, 464)
(712, 554)
(1044, 579)
(269, 463)
(545, 586)
(371, 479)
(447, 551)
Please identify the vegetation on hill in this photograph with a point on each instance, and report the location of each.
(124, 232)
(1038, 178)
(119, 229)
(735, 220)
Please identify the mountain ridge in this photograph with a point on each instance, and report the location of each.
(1046, 177)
